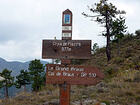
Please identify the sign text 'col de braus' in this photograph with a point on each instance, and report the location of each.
(73, 75)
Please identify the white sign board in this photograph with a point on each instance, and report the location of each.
(66, 34)
(66, 28)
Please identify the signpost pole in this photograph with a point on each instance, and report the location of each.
(66, 35)
(65, 94)
(65, 88)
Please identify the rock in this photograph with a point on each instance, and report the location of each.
(101, 84)
(72, 91)
(103, 104)
(76, 103)
(42, 93)
(53, 102)
(88, 102)
(100, 90)
(84, 102)
(102, 87)
(113, 101)
(46, 103)
(49, 92)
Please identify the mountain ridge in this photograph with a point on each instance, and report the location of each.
(15, 66)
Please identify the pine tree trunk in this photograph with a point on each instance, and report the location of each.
(6, 92)
(37, 88)
(119, 47)
(24, 88)
(108, 47)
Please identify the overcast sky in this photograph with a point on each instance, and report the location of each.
(24, 23)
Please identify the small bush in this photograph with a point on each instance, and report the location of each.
(138, 42)
(129, 93)
(118, 60)
(93, 95)
(127, 37)
(137, 32)
(110, 70)
(106, 102)
(137, 77)
(137, 98)
(136, 62)
(101, 50)
(128, 52)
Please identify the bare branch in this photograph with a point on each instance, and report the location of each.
(90, 15)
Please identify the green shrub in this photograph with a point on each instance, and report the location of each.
(110, 70)
(106, 102)
(127, 37)
(138, 42)
(137, 98)
(128, 52)
(137, 32)
(129, 93)
(137, 77)
(136, 62)
(101, 50)
(118, 60)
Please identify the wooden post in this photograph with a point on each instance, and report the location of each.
(65, 88)
(66, 35)
(65, 94)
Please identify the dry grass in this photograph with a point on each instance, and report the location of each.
(122, 91)
(35, 98)
(117, 91)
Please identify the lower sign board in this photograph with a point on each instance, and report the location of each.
(66, 49)
(73, 75)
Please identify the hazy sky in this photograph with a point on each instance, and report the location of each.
(24, 23)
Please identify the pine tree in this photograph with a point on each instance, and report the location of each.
(37, 74)
(95, 48)
(118, 28)
(23, 79)
(105, 13)
(7, 82)
(117, 31)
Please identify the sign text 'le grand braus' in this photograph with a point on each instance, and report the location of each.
(73, 75)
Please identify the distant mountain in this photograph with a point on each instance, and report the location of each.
(15, 66)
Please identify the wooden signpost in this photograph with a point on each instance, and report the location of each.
(66, 49)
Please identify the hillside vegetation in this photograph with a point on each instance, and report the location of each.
(121, 85)
(122, 72)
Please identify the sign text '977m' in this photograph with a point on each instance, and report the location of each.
(66, 49)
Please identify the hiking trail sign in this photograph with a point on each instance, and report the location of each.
(73, 75)
(66, 49)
